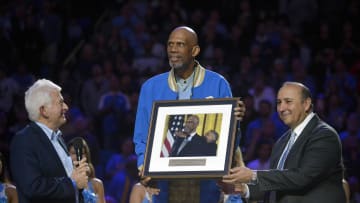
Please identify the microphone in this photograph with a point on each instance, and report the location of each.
(78, 146)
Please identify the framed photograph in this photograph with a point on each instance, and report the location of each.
(190, 139)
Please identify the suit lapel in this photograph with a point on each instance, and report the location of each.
(306, 132)
(303, 136)
(46, 143)
(281, 144)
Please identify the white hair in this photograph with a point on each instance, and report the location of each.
(39, 95)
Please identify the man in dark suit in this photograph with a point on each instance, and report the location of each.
(188, 142)
(40, 163)
(211, 138)
(306, 162)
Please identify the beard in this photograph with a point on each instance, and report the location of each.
(177, 65)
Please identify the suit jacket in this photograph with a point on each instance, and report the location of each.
(313, 170)
(210, 149)
(195, 147)
(37, 169)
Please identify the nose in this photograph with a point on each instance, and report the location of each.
(172, 48)
(65, 106)
(280, 107)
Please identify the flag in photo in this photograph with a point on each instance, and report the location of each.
(175, 123)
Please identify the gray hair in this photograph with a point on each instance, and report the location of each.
(39, 95)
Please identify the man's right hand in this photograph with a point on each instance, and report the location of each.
(80, 173)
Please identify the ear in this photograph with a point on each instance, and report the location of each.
(308, 105)
(43, 112)
(195, 50)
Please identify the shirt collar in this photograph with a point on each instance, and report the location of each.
(191, 136)
(197, 81)
(185, 82)
(51, 134)
(298, 130)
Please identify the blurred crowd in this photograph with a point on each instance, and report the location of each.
(101, 56)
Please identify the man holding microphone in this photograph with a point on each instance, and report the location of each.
(40, 163)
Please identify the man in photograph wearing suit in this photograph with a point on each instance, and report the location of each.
(188, 142)
(306, 162)
(40, 163)
(211, 138)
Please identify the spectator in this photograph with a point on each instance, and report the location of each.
(9, 90)
(142, 194)
(352, 126)
(8, 192)
(263, 152)
(113, 107)
(261, 91)
(91, 91)
(94, 191)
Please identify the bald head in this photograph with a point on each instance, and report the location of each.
(305, 92)
(182, 48)
(188, 32)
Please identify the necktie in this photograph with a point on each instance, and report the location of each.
(61, 142)
(58, 136)
(184, 142)
(286, 151)
(272, 194)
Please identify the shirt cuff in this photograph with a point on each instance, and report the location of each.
(247, 194)
(254, 179)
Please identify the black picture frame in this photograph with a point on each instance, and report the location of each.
(213, 114)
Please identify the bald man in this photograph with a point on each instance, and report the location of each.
(187, 79)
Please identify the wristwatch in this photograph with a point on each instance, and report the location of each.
(254, 179)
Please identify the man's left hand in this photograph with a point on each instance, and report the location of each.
(239, 111)
(238, 175)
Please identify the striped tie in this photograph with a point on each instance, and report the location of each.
(272, 194)
(286, 151)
